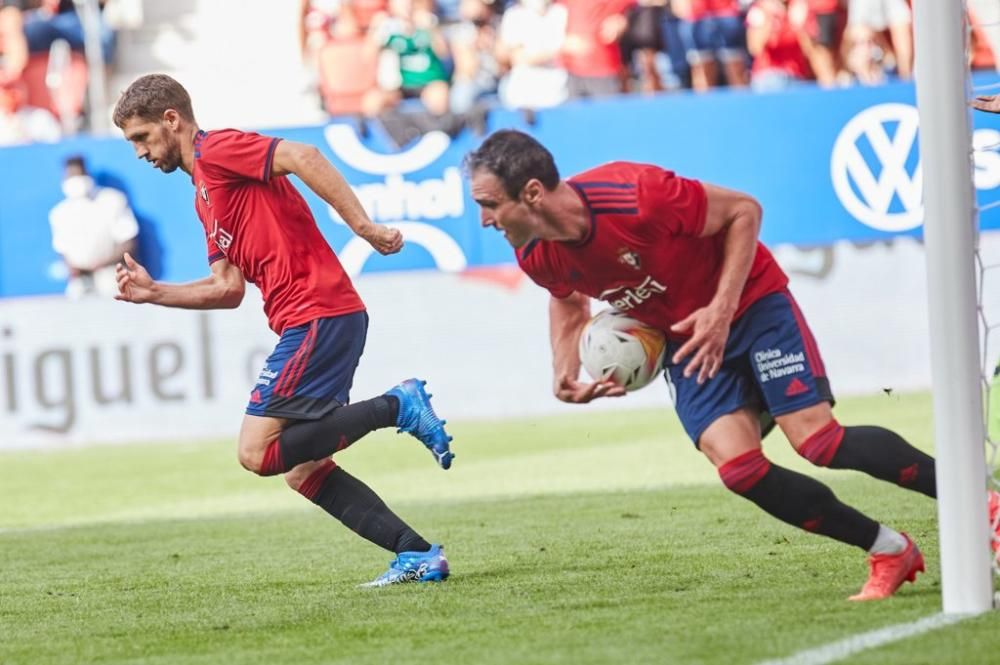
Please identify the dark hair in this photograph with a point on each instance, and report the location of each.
(149, 97)
(514, 158)
(76, 161)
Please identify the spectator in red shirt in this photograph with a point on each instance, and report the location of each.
(21, 123)
(774, 44)
(821, 34)
(13, 46)
(981, 54)
(367, 10)
(347, 64)
(591, 54)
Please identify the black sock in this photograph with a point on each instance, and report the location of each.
(360, 509)
(877, 451)
(882, 453)
(797, 500)
(310, 440)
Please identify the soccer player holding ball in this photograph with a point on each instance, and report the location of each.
(684, 257)
(258, 228)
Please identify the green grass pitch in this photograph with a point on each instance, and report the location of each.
(598, 538)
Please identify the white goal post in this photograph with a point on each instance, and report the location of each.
(950, 232)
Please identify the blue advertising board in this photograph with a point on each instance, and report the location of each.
(826, 165)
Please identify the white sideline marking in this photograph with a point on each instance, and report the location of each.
(835, 651)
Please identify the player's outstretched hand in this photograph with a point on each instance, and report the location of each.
(578, 392)
(134, 283)
(989, 103)
(709, 328)
(385, 239)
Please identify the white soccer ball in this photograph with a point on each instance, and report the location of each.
(616, 347)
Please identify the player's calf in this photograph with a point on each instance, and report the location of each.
(797, 499)
(268, 451)
(355, 505)
(877, 451)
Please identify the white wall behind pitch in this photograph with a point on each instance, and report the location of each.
(167, 374)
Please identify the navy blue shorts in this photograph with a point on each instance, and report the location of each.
(311, 370)
(771, 364)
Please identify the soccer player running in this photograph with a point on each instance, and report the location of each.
(258, 228)
(683, 256)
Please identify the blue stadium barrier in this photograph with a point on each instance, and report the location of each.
(827, 166)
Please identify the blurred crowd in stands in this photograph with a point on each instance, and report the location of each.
(43, 70)
(420, 64)
(369, 56)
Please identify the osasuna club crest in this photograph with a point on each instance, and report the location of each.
(203, 190)
(629, 258)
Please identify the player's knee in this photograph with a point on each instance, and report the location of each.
(250, 459)
(821, 446)
(258, 450)
(252, 454)
(742, 473)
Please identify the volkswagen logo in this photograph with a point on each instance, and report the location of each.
(869, 168)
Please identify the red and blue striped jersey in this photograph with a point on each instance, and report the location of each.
(643, 253)
(263, 226)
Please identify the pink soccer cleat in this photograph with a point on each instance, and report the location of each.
(889, 571)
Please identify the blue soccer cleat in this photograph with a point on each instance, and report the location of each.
(417, 417)
(429, 566)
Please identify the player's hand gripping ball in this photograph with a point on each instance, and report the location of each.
(616, 347)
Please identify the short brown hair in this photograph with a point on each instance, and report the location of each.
(514, 158)
(149, 97)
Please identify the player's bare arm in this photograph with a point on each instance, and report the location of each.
(989, 103)
(309, 164)
(567, 316)
(223, 289)
(738, 216)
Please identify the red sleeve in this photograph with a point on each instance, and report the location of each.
(677, 203)
(230, 154)
(214, 253)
